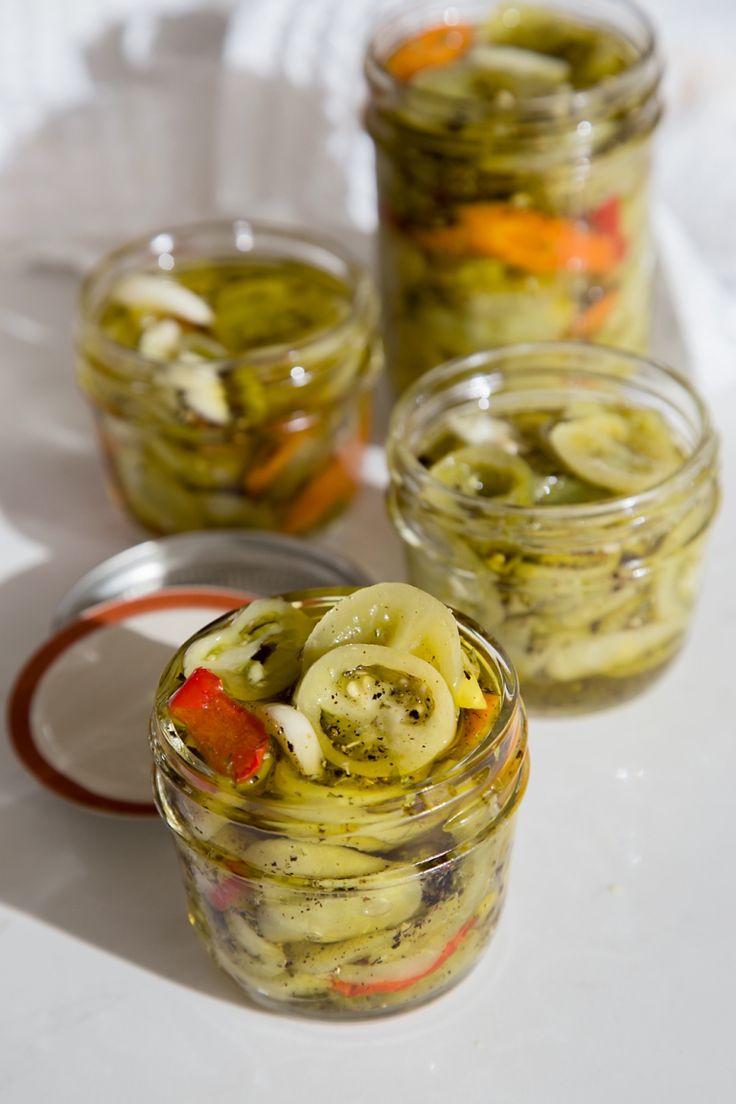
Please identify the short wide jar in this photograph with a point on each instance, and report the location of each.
(591, 599)
(511, 210)
(242, 398)
(327, 901)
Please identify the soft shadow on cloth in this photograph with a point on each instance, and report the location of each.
(141, 151)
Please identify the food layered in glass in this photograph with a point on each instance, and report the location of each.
(229, 367)
(512, 149)
(341, 774)
(561, 495)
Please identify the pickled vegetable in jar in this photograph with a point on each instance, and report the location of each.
(561, 495)
(229, 367)
(512, 145)
(340, 771)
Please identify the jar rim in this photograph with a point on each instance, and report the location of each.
(539, 356)
(645, 71)
(505, 727)
(248, 237)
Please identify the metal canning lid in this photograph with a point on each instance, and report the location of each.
(78, 710)
(253, 562)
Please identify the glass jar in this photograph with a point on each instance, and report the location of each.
(591, 599)
(514, 216)
(246, 403)
(348, 905)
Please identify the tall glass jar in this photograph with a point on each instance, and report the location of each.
(340, 901)
(592, 599)
(229, 366)
(513, 187)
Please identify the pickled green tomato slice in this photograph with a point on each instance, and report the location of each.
(343, 800)
(517, 70)
(487, 471)
(377, 711)
(288, 917)
(404, 618)
(257, 654)
(318, 862)
(625, 453)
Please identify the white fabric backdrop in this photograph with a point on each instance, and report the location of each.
(113, 98)
(609, 979)
(116, 115)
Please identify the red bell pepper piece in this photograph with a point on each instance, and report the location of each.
(222, 895)
(230, 738)
(361, 988)
(606, 220)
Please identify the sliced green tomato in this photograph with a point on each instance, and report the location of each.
(462, 319)
(313, 959)
(343, 810)
(486, 471)
(427, 931)
(257, 653)
(516, 70)
(276, 304)
(251, 973)
(333, 802)
(377, 711)
(246, 937)
(648, 430)
(592, 654)
(294, 916)
(454, 81)
(563, 490)
(487, 70)
(592, 53)
(294, 733)
(620, 452)
(246, 969)
(311, 861)
(401, 617)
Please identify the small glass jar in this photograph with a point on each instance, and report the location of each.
(331, 902)
(514, 216)
(198, 436)
(591, 599)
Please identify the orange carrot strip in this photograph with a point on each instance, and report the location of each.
(529, 240)
(435, 47)
(591, 320)
(260, 478)
(331, 487)
(476, 722)
(536, 242)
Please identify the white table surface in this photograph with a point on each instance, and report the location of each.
(612, 974)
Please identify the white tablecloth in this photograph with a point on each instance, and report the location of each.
(612, 974)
